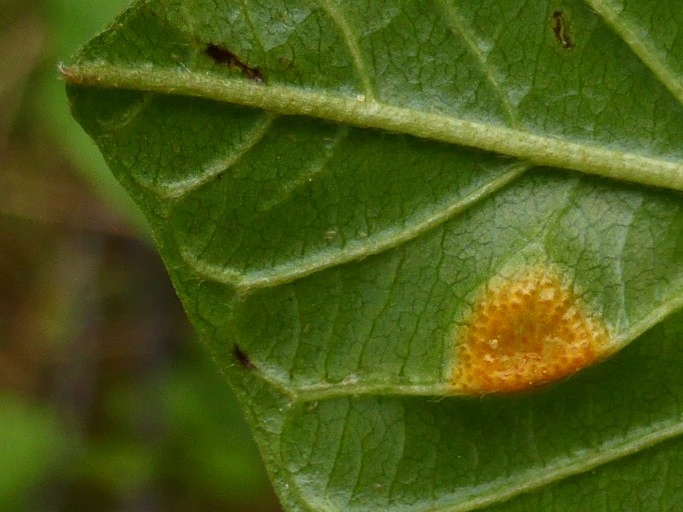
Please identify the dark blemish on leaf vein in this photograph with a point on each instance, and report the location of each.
(225, 57)
(561, 30)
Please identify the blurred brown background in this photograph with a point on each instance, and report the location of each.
(107, 402)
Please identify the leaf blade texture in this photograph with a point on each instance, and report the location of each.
(333, 185)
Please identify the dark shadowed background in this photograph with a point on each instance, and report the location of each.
(107, 400)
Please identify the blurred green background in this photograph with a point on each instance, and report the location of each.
(107, 400)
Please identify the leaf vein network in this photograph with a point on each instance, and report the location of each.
(565, 467)
(459, 29)
(340, 20)
(649, 55)
(354, 249)
(181, 188)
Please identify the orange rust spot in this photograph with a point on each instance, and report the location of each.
(526, 332)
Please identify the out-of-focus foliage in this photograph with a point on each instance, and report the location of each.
(32, 441)
(67, 24)
(106, 401)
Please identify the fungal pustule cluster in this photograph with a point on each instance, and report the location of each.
(526, 331)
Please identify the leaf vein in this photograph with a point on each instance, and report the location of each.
(219, 165)
(581, 462)
(641, 46)
(538, 149)
(354, 249)
(352, 44)
(459, 29)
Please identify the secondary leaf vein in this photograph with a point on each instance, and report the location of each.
(642, 46)
(354, 249)
(220, 165)
(352, 44)
(459, 29)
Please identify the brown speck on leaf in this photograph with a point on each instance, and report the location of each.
(242, 358)
(561, 30)
(225, 57)
(284, 62)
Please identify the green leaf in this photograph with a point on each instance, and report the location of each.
(340, 190)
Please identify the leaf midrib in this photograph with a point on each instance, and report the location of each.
(359, 111)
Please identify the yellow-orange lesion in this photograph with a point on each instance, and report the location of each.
(525, 332)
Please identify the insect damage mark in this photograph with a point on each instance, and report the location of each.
(561, 30)
(242, 358)
(225, 57)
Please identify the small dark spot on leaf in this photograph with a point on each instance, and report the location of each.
(225, 57)
(284, 62)
(242, 358)
(561, 30)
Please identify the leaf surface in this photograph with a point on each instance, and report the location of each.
(334, 186)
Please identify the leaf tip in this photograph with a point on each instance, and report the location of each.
(526, 331)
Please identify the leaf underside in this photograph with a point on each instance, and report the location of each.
(333, 184)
